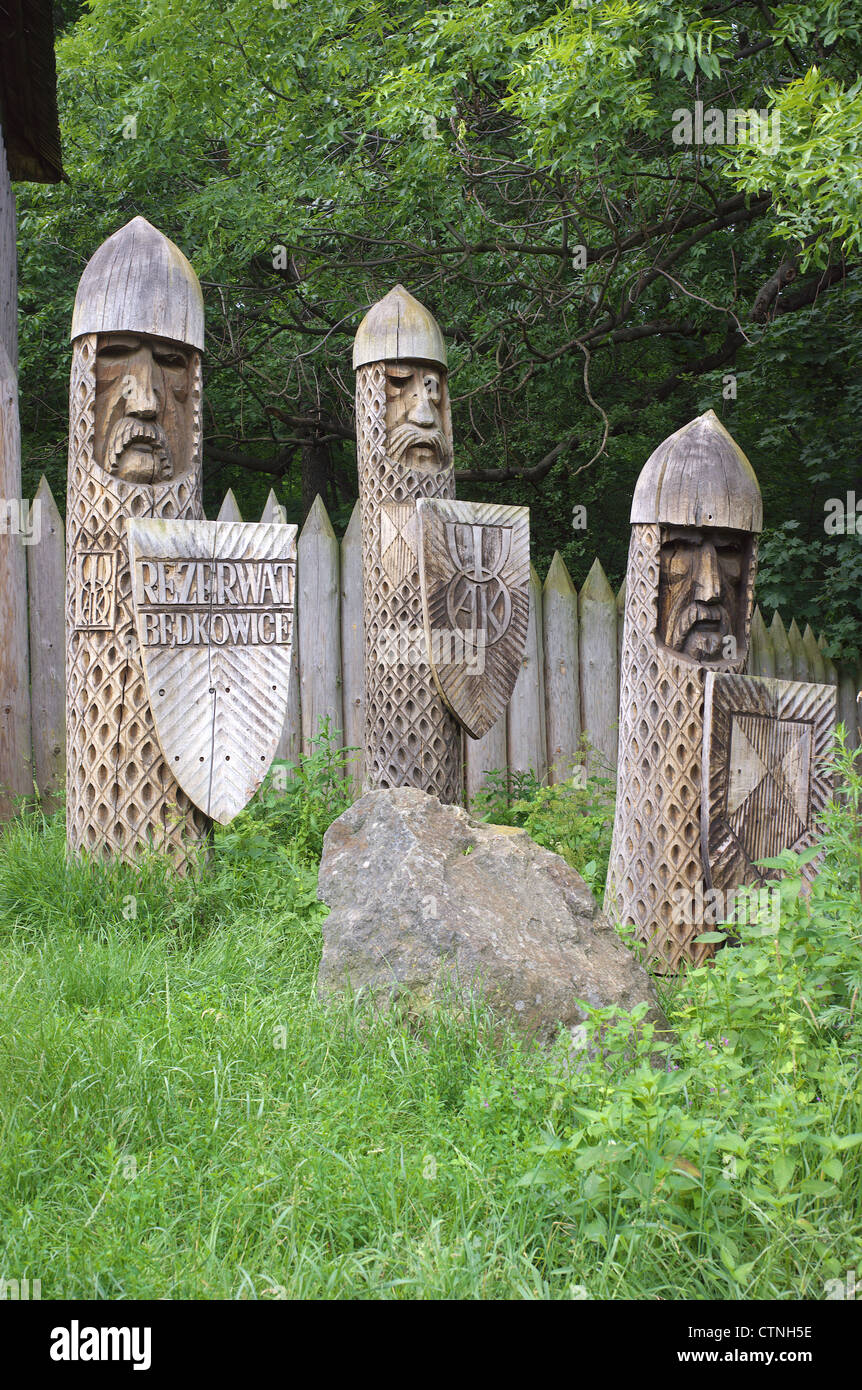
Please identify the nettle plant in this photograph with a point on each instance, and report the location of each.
(757, 1111)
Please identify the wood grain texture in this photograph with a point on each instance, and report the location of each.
(597, 654)
(138, 281)
(761, 657)
(353, 645)
(411, 738)
(562, 687)
(289, 748)
(121, 797)
(798, 654)
(527, 738)
(229, 509)
(46, 569)
(214, 607)
(765, 784)
(319, 623)
(8, 264)
(16, 769)
(814, 657)
(474, 573)
(699, 476)
(484, 755)
(781, 649)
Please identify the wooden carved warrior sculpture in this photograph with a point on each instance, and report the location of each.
(695, 517)
(404, 449)
(134, 451)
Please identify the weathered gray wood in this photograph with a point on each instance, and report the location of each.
(562, 688)
(761, 660)
(404, 453)
(621, 615)
(474, 574)
(46, 568)
(597, 653)
(214, 607)
(814, 657)
(319, 623)
(527, 739)
(484, 755)
(8, 265)
(353, 645)
(698, 476)
(847, 711)
(798, 652)
(229, 509)
(16, 769)
(134, 450)
(290, 744)
(157, 291)
(831, 675)
(781, 649)
(765, 787)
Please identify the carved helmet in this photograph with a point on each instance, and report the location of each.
(399, 327)
(140, 282)
(700, 477)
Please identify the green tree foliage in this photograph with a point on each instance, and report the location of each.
(524, 169)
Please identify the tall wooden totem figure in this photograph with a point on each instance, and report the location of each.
(446, 583)
(717, 770)
(134, 451)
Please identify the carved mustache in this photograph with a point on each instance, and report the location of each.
(406, 435)
(682, 620)
(130, 430)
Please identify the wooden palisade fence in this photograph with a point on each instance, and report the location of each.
(568, 686)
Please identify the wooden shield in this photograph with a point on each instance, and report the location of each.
(214, 607)
(474, 572)
(765, 743)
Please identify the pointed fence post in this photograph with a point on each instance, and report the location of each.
(16, 768)
(562, 691)
(526, 733)
(831, 676)
(600, 690)
(318, 564)
(847, 711)
(781, 649)
(290, 745)
(46, 574)
(797, 651)
(761, 659)
(353, 646)
(229, 509)
(814, 656)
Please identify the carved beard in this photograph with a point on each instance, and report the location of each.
(684, 633)
(138, 451)
(407, 436)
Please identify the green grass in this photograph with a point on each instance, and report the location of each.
(181, 1118)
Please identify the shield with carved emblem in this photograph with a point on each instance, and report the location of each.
(765, 783)
(474, 572)
(214, 608)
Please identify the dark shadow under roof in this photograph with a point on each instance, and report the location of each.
(28, 91)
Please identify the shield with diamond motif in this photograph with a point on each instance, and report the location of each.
(214, 607)
(474, 572)
(765, 785)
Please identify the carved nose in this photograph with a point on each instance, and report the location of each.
(141, 395)
(708, 580)
(420, 412)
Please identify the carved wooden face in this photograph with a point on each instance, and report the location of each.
(702, 590)
(144, 407)
(416, 417)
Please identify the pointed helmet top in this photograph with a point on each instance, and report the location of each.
(398, 327)
(140, 282)
(699, 476)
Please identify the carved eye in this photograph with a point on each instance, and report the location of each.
(168, 358)
(115, 351)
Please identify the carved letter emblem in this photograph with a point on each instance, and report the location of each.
(214, 607)
(474, 570)
(96, 591)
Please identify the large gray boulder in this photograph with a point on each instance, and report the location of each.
(424, 898)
